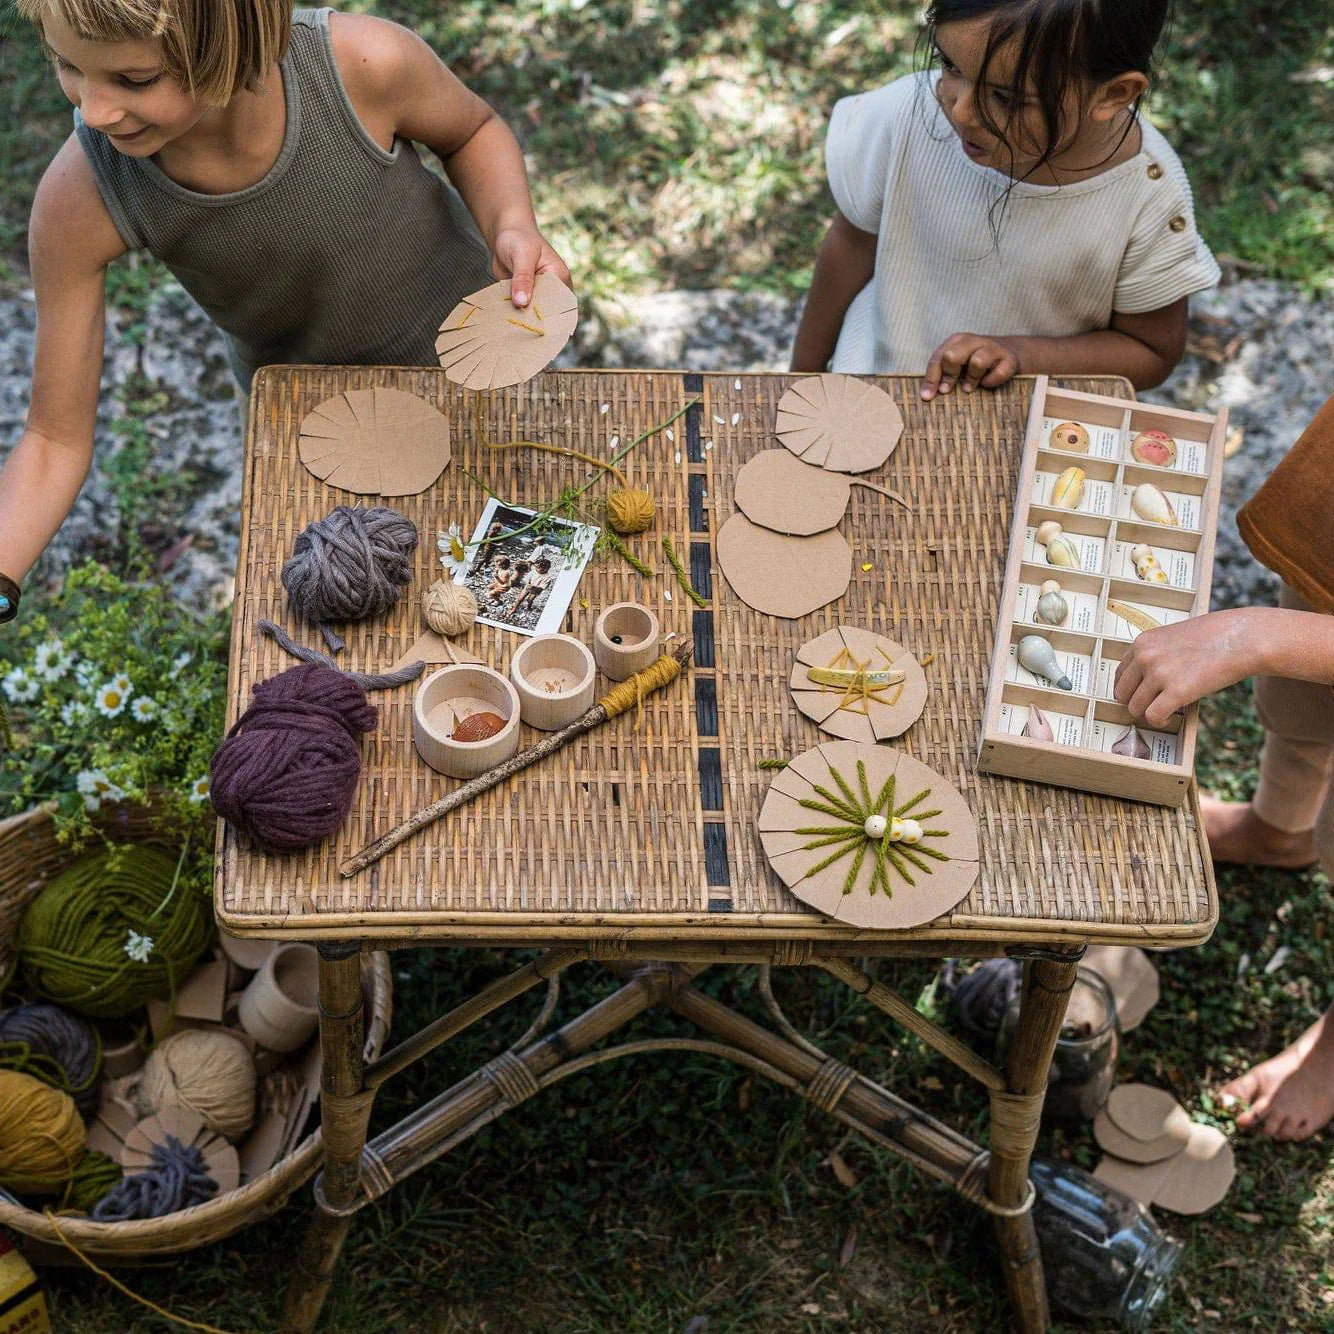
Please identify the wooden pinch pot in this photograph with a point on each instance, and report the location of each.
(636, 629)
(448, 698)
(553, 676)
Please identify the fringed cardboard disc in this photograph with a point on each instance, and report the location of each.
(861, 709)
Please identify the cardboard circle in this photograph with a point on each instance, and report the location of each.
(775, 489)
(1141, 1181)
(1145, 1113)
(375, 442)
(868, 720)
(781, 575)
(838, 422)
(1112, 1139)
(1202, 1173)
(934, 891)
(1133, 980)
(487, 342)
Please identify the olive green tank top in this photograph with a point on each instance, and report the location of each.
(343, 254)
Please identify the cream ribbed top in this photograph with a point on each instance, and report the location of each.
(1067, 256)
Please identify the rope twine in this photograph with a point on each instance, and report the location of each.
(631, 694)
(828, 1085)
(972, 1185)
(366, 680)
(511, 1078)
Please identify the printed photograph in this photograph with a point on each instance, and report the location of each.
(523, 568)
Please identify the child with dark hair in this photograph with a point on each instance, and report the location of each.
(502, 576)
(1009, 210)
(537, 583)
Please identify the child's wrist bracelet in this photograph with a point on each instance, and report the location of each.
(9, 598)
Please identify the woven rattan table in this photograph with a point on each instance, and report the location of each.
(637, 845)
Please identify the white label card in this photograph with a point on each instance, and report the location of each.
(1104, 441)
(1078, 669)
(1067, 728)
(1179, 566)
(1164, 747)
(1090, 549)
(1116, 628)
(1083, 607)
(1187, 508)
(1097, 497)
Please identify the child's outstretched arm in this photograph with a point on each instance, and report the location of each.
(400, 87)
(842, 268)
(1168, 668)
(71, 240)
(1144, 348)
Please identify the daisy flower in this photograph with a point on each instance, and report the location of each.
(50, 661)
(75, 711)
(180, 663)
(86, 673)
(95, 788)
(143, 709)
(453, 554)
(110, 699)
(199, 789)
(19, 686)
(123, 684)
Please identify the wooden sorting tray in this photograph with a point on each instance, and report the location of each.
(1093, 640)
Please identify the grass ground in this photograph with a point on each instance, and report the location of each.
(679, 144)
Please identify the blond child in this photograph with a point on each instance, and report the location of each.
(1009, 211)
(268, 158)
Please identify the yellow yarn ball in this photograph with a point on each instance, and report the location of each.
(41, 1135)
(450, 609)
(630, 511)
(205, 1071)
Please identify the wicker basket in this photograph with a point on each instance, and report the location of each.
(29, 856)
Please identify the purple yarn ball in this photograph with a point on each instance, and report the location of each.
(287, 772)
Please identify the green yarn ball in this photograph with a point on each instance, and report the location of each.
(94, 1176)
(113, 931)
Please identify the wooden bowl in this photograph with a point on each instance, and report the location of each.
(637, 630)
(553, 676)
(452, 695)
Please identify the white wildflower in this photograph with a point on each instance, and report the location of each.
(453, 554)
(50, 661)
(137, 947)
(19, 686)
(199, 789)
(144, 709)
(74, 712)
(95, 788)
(86, 673)
(123, 684)
(110, 700)
(180, 663)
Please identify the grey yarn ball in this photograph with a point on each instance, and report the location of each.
(350, 565)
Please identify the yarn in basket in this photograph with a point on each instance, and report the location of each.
(56, 1046)
(178, 1179)
(349, 565)
(207, 1071)
(287, 772)
(41, 1135)
(113, 931)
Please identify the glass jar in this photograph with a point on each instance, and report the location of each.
(1083, 1066)
(1102, 1253)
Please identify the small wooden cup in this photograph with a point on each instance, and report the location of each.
(280, 1007)
(553, 676)
(457, 692)
(637, 629)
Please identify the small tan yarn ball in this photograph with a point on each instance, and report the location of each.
(630, 511)
(450, 609)
(205, 1071)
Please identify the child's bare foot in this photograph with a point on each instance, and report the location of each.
(1291, 1095)
(1237, 834)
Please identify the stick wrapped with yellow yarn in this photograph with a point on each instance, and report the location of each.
(41, 1135)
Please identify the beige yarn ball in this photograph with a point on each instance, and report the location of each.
(630, 511)
(450, 609)
(205, 1071)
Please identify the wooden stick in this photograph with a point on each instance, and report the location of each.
(637, 688)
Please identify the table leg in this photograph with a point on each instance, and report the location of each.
(1014, 1131)
(345, 1108)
